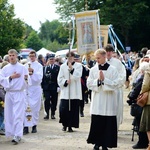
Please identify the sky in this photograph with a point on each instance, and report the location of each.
(33, 12)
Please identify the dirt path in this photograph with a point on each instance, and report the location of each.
(51, 137)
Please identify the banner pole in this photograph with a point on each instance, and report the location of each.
(70, 46)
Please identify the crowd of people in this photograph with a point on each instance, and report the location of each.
(100, 80)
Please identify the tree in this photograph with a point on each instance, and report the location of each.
(11, 29)
(54, 46)
(33, 41)
(66, 7)
(53, 31)
(125, 16)
(28, 30)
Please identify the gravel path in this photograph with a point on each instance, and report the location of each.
(51, 137)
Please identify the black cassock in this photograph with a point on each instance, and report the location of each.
(103, 130)
(69, 118)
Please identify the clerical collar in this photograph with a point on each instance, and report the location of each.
(109, 59)
(71, 63)
(103, 66)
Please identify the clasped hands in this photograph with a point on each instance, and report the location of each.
(101, 76)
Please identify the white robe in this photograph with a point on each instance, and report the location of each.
(73, 90)
(14, 98)
(103, 97)
(34, 93)
(119, 91)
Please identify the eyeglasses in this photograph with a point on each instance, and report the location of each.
(31, 56)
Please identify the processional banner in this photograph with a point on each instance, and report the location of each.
(104, 35)
(87, 31)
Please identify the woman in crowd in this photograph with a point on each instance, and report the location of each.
(145, 119)
(142, 137)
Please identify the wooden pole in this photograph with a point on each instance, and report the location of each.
(86, 5)
(70, 28)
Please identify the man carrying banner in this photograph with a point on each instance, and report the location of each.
(69, 81)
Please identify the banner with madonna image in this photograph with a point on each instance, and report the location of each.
(88, 31)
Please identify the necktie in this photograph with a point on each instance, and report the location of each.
(51, 66)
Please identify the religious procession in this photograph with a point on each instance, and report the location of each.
(100, 83)
(52, 95)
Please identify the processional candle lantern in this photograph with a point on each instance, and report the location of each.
(30, 72)
(28, 113)
(28, 109)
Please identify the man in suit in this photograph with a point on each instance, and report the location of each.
(49, 85)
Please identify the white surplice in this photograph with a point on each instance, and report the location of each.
(73, 90)
(103, 97)
(119, 91)
(14, 98)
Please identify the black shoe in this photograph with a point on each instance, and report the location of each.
(53, 117)
(82, 114)
(96, 147)
(70, 129)
(104, 148)
(34, 130)
(46, 117)
(2, 132)
(64, 128)
(25, 130)
(137, 146)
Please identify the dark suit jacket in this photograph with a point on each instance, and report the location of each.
(136, 89)
(49, 81)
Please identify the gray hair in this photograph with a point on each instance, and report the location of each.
(144, 66)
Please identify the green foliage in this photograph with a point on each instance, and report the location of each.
(55, 45)
(124, 15)
(53, 31)
(33, 41)
(28, 30)
(130, 18)
(66, 7)
(11, 29)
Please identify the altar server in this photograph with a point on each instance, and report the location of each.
(69, 81)
(12, 78)
(121, 80)
(34, 92)
(102, 81)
